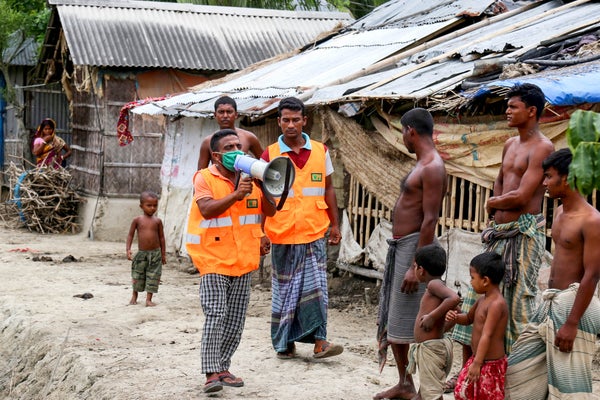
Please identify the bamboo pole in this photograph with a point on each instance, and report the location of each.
(477, 217)
(369, 214)
(461, 204)
(449, 54)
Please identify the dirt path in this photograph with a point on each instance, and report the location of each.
(56, 346)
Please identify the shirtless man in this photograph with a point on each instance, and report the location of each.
(516, 207)
(416, 214)
(226, 114)
(559, 363)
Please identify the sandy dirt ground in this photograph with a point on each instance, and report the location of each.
(57, 346)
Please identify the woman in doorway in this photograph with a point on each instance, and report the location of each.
(49, 149)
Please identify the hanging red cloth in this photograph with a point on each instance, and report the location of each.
(123, 134)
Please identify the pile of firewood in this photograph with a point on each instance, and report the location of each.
(42, 199)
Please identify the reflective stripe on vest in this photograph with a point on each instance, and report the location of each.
(216, 222)
(192, 239)
(314, 191)
(250, 219)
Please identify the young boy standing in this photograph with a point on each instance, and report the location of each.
(483, 375)
(146, 266)
(432, 352)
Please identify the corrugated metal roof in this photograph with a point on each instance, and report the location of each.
(20, 51)
(184, 36)
(524, 31)
(330, 74)
(321, 66)
(407, 13)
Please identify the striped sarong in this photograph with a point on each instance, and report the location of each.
(433, 358)
(521, 244)
(537, 369)
(397, 310)
(299, 293)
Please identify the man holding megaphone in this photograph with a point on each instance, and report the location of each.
(224, 242)
(297, 233)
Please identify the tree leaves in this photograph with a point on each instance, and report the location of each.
(583, 135)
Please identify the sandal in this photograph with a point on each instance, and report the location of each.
(228, 379)
(328, 350)
(213, 384)
(451, 384)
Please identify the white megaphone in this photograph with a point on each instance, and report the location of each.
(274, 174)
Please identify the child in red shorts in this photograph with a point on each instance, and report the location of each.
(483, 375)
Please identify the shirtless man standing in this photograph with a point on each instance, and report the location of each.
(415, 217)
(226, 114)
(517, 226)
(553, 356)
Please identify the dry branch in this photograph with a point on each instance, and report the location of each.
(42, 199)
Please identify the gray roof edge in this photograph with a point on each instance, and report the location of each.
(201, 9)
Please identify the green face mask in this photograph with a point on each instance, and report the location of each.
(228, 159)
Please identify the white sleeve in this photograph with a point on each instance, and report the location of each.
(328, 164)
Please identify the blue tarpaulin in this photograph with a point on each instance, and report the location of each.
(567, 86)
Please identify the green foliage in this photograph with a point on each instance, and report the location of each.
(10, 21)
(361, 8)
(19, 20)
(583, 138)
(356, 8)
(31, 16)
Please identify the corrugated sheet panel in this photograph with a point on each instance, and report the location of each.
(167, 35)
(20, 52)
(524, 29)
(305, 70)
(410, 12)
(506, 38)
(331, 72)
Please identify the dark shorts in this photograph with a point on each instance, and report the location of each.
(146, 269)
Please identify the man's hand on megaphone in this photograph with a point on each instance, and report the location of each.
(244, 188)
(334, 235)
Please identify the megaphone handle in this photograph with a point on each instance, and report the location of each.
(286, 189)
(237, 181)
(240, 175)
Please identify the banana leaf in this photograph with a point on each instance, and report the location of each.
(584, 126)
(584, 171)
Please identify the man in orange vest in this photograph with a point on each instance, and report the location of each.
(297, 231)
(224, 240)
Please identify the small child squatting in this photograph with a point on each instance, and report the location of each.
(432, 352)
(146, 266)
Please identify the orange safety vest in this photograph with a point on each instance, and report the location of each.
(228, 244)
(303, 218)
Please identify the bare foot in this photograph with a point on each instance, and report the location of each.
(397, 392)
(150, 304)
(133, 301)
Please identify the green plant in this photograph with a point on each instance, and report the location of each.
(583, 138)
